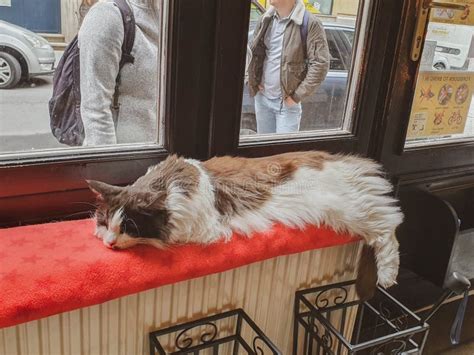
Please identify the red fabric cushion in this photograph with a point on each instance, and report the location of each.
(51, 268)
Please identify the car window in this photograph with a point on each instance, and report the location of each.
(349, 35)
(335, 50)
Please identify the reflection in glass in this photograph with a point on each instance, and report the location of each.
(33, 49)
(283, 52)
(442, 109)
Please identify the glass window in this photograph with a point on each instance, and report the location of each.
(52, 101)
(323, 7)
(350, 36)
(299, 86)
(337, 52)
(442, 109)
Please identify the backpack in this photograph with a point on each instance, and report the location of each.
(65, 103)
(304, 32)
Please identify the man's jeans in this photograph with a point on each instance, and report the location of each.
(275, 117)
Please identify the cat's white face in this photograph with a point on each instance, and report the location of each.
(112, 235)
(125, 218)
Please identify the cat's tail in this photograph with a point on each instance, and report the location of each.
(378, 264)
(388, 260)
(375, 216)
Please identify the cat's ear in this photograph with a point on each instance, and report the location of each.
(102, 190)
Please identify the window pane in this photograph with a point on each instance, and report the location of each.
(350, 36)
(102, 94)
(442, 109)
(337, 55)
(298, 75)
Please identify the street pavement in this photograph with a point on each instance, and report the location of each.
(24, 116)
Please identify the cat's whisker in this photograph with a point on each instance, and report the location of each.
(83, 203)
(83, 213)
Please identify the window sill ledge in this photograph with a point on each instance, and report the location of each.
(57, 267)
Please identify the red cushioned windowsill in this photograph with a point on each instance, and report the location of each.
(57, 267)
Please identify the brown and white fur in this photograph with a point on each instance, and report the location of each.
(188, 201)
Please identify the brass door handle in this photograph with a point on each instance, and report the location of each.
(422, 18)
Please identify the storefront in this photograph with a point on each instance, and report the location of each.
(399, 90)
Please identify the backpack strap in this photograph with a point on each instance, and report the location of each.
(129, 31)
(128, 21)
(304, 32)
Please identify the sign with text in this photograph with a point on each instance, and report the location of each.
(441, 103)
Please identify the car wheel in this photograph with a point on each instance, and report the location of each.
(10, 71)
(439, 66)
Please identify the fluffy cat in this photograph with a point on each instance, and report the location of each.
(188, 201)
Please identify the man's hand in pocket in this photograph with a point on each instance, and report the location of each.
(289, 101)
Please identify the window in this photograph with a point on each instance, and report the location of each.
(201, 64)
(43, 180)
(350, 36)
(127, 116)
(442, 107)
(336, 51)
(323, 7)
(265, 112)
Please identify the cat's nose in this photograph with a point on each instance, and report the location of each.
(111, 244)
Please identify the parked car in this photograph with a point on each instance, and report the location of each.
(453, 43)
(23, 54)
(325, 108)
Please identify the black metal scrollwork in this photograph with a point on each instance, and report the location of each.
(395, 347)
(322, 302)
(400, 322)
(258, 349)
(183, 341)
(327, 342)
(312, 323)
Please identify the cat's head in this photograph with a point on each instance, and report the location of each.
(130, 215)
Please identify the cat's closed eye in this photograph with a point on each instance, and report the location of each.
(129, 227)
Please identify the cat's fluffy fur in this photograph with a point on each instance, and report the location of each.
(184, 200)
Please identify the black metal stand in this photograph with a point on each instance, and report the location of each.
(383, 325)
(211, 334)
(322, 313)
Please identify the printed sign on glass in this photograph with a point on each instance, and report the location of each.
(441, 104)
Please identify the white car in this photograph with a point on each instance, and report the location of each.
(23, 54)
(453, 43)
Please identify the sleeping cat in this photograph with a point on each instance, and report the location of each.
(187, 201)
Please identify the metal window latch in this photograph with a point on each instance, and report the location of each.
(421, 21)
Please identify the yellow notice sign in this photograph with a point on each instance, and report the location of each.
(459, 17)
(441, 104)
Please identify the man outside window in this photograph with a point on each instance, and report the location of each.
(283, 70)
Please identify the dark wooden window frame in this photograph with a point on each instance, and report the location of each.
(205, 67)
(372, 86)
(440, 159)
